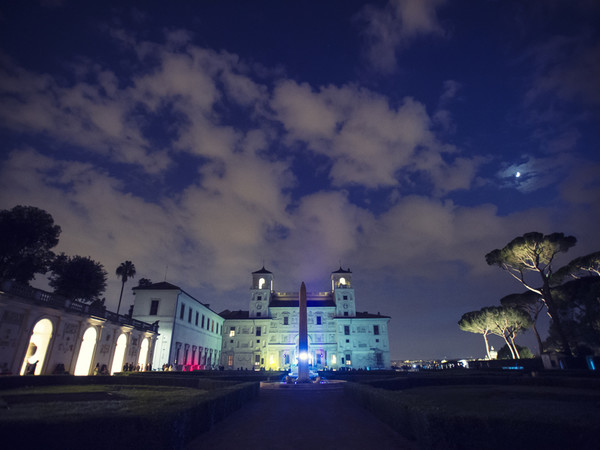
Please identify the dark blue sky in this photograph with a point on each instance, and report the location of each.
(203, 138)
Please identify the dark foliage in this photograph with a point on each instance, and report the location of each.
(78, 278)
(28, 233)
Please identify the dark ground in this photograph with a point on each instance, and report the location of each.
(301, 417)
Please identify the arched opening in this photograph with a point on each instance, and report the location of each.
(117, 364)
(342, 281)
(261, 283)
(37, 348)
(86, 352)
(143, 359)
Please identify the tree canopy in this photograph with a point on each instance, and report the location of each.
(501, 321)
(583, 266)
(507, 322)
(535, 252)
(28, 233)
(78, 278)
(477, 322)
(530, 303)
(144, 282)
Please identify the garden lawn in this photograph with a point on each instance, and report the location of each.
(488, 416)
(548, 405)
(61, 404)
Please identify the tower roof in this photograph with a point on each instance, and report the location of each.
(340, 270)
(263, 270)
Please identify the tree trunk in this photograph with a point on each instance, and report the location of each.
(553, 313)
(120, 297)
(487, 346)
(512, 352)
(539, 339)
(514, 346)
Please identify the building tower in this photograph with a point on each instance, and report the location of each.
(261, 290)
(343, 293)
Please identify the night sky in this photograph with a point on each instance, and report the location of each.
(403, 140)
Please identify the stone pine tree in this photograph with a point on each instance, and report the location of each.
(27, 234)
(531, 304)
(535, 253)
(588, 265)
(77, 278)
(507, 322)
(477, 322)
(126, 270)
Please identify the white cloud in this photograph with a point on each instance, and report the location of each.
(368, 140)
(387, 30)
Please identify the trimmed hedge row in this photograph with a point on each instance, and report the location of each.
(13, 382)
(156, 429)
(409, 382)
(434, 428)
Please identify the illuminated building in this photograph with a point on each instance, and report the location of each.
(266, 336)
(190, 332)
(43, 333)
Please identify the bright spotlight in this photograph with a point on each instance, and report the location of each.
(303, 356)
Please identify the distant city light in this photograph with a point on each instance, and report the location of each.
(518, 174)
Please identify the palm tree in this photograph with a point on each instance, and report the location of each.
(126, 270)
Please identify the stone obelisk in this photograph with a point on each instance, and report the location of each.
(303, 376)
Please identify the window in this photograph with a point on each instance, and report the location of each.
(376, 329)
(182, 312)
(347, 330)
(345, 313)
(257, 314)
(212, 326)
(197, 315)
(258, 341)
(202, 326)
(190, 315)
(376, 340)
(231, 332)
(217, 329)
(379, 359)
(257, 359)
(348, 362)
(258, 331)
(230, 360)
(318, 320)
(347, 341)
(154, 308)
(286, 320)
(345, 297)
(259, 297)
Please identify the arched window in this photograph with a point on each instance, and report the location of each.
(86, 352)
(117, 365)
(36, 350)
(261, 283)
(342, 281)
(143, 359)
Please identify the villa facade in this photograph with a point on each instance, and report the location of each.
(266, 335)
